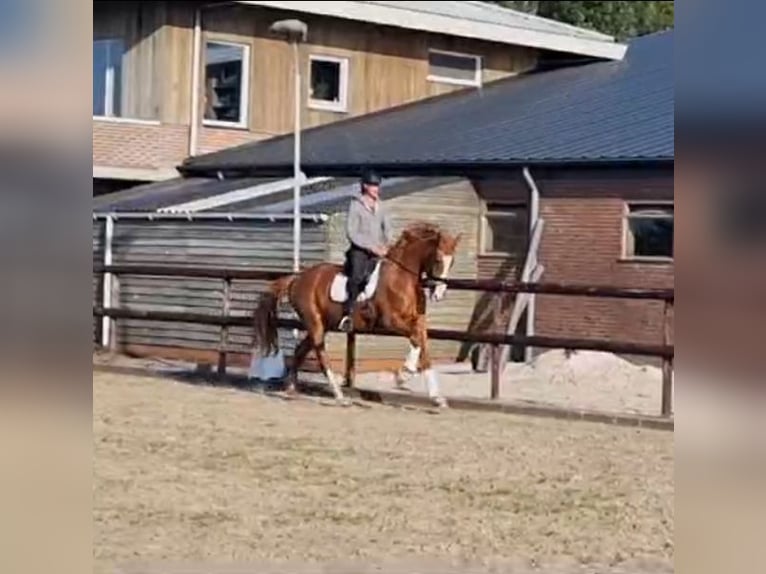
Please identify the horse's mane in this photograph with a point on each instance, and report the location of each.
(417, 230)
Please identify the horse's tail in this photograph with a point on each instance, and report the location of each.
(265, 319)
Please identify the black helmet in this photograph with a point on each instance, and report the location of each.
(371, 177)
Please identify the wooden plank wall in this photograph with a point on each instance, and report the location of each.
(138, 25)
(387, 66)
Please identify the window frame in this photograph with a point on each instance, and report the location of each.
(109, 83)
(499, 209)
(478, 71)
(342, 105)
(244, 100)
(625, 255)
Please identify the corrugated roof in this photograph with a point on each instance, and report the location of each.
(465, 19)
(162, 194)
(211, 195)
(602, 112)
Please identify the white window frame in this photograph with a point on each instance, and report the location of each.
(626, 216)
(342, 104)
(244, 100)
(108, 81)
(496, 208)
(478, 74)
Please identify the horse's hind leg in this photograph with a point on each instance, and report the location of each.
(299, 356)
(317, 336)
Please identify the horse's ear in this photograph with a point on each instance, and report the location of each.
(458, 237)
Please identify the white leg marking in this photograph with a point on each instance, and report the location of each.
(432, 383)
(334, 384)
(411, 363)
(434, 393)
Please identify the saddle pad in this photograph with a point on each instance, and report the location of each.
(339, 294)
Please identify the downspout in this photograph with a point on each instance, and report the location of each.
(534, 216)
(195, 87)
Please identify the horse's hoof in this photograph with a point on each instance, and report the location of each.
(343, 402)
(440, 402)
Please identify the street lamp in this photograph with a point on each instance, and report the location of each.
(295, 32)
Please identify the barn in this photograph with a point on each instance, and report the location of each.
(584, 154)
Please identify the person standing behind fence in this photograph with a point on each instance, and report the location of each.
(368, 229)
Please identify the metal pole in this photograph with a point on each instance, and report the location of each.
(297, 164)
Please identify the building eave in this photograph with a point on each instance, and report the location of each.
(446, 24)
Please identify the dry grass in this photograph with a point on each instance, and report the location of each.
(185, 473)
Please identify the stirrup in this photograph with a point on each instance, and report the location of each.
(345, 323)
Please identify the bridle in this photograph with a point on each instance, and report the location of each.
(429, 278)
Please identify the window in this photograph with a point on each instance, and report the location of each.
(505, 229)
(453, 68)
(649, 231)
(226, 84)
(328, 82)
(107, 77)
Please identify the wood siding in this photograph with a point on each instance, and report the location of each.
(454, 206)
(387, 66)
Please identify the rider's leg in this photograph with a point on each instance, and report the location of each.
(358, 261)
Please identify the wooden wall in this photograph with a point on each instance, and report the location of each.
(387, 66)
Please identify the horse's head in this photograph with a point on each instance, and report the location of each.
(434, 252)
(443, 260)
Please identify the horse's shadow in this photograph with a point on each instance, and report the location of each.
(206, 377)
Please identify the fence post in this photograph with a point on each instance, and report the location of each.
(495, 372)
(114, 303)
(350, 359)
(224, 330)
(667, 364)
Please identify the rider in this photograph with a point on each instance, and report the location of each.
(368, 229)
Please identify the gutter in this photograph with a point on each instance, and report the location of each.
(153, 216)
(390, 169)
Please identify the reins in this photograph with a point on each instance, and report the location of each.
(403, 266)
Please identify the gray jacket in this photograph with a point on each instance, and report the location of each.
(366, 229)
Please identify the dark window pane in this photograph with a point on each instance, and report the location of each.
(224, 80)
(652, 237)
(453, 67)
(115, 60)
(100, 56)
(107, 77)
(506, 230)
(325, 81)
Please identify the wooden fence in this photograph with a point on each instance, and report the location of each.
(665, 351)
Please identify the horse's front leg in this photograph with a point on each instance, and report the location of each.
(432, 381)
(410, 365)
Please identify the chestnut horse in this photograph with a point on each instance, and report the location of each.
(393, 298)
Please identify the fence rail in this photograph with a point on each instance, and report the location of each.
(665, 351)
(487, 286)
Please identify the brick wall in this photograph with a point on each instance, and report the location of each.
(214, 139)
(582, 243)
(137, 145)
(152, 146)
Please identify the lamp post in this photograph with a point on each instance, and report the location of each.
(295, 32)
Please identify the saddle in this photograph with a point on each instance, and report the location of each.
(338, 288)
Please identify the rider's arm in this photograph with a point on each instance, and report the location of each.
(354, 229)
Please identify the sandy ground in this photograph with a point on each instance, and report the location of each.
(587, 380)
(207, 474)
